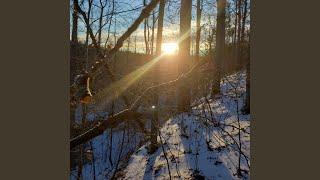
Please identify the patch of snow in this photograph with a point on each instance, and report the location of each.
(193, 144)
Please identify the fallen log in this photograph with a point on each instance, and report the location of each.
(98, 129)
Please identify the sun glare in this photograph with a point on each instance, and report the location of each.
(169, 48)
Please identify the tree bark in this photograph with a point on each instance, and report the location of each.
(111, 122)
(155, 120)
(123, 115)
(74, 33)
(198, 33)
(100, 22)
(88, 24)
(145, 31)
(238, 48)
(244, 16)
(246, 109)
(152, 33)
(220, 45)
(184, 54)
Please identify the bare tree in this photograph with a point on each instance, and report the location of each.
(198, 32)
(239, 15)
(146, 31)
(89, 16)
(220, 45)
(74, 35)
(152, 32)
(155, 120)
(102, 6)
(244, 17)
(184, 53)
(246, 109)
(103, 63)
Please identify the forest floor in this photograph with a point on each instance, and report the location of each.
(197, 149)
(202, 144)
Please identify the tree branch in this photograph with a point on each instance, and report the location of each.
(126, 114)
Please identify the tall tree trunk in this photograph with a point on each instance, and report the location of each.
(235, 24)
(246, 109)
(244, 16)
(238, 49)
(198, 33)
(247, 101)
(145, 31)
(88, 15)
(83, 121)
(74, 35)
(184, 54)
(196, 79)
(155, 120)
(243, 27)
(135, 44)
(220, 45)
(100, 22)
(152, 32)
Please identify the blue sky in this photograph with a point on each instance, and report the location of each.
(124, 20)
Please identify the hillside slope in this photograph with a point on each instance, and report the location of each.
(201, 144)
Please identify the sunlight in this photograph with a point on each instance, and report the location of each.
(125, 82)
(169, 48)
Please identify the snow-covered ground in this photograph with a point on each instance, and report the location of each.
(201, 144)
(194, 147)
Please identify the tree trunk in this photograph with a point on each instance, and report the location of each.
(88, 15)
(246, 109)
(145, 31)
(152, 32)
(184, 54)
(220, 46)
(247, 103)
(198, 33)
(123, 115)
(235, 24)
(135, 44)
(243, 27)
(155, 121)
(238, 49)
(100, 22)
(74, 35)
(244, 16)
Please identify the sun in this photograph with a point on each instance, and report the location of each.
(169, 48)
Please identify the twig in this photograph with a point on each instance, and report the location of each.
(165, 156)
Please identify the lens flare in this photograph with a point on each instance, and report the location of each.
(169, 48)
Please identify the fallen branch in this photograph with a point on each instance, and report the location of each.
(107, 55)
(98, 129)
(102, 56)
(126, 114)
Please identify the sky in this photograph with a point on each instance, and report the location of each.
(171, 21)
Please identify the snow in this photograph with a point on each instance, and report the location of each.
(192, 142)
(188, 151)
